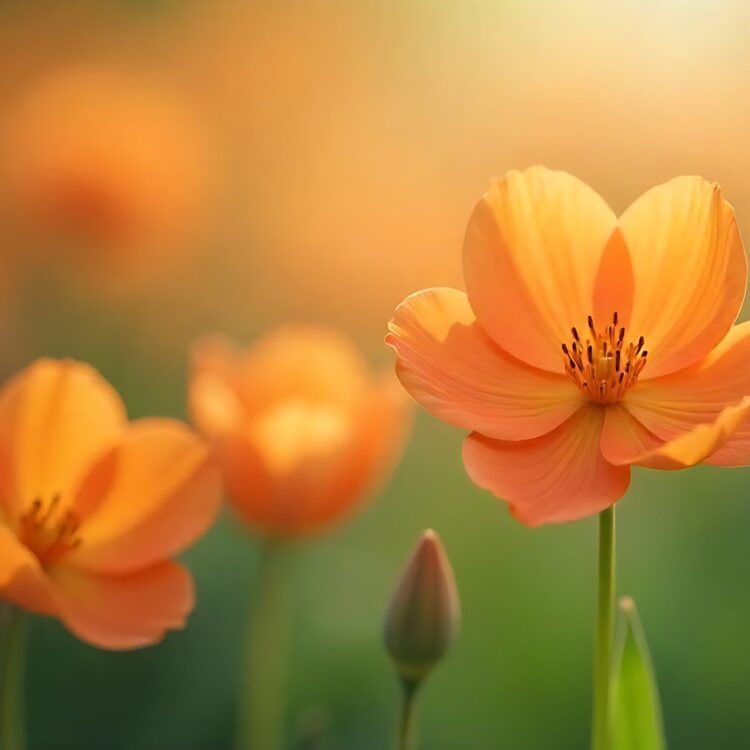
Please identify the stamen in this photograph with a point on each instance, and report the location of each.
(606, 367)
(49, 538)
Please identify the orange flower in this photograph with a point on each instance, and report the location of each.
(586, 343)
(104, 168)
(300, 428)
(92, 507)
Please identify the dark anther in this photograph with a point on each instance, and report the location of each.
(614, 318)
(617, 360)
(622, 335)
(590, 353)
(575, 335)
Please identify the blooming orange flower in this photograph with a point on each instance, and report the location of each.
(105, 168)
(92, 507)
(300, 428)
(586, 343)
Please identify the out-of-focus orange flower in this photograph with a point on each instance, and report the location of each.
(300, 428)
(92, 507)
(105, 170)
(586, 343)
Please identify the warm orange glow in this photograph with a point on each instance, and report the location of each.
(545, 359)
(92, 507)
(104, 170)
(300, 428)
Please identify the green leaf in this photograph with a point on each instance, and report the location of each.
(635, 711)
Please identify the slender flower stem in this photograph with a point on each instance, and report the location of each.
(406, 734)
(13, 646)
(262, 683)
(604, 629)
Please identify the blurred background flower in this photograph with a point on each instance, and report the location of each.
(104, 173)
(351, 143)
(300, 428)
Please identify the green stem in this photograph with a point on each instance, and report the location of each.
(604, 629)
(12, 678)
(262, 683)
(406, 738)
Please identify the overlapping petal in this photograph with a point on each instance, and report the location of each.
(162, 495)
(459, 374)
(561, 476)
(532, 253)
(675, 404)
(124, 612)
(56, 418)
(626, 441)
(690, 271)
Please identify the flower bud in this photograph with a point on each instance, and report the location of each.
(423, 616)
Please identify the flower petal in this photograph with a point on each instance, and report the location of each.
(124, 612)
(561, 476)
(690, 271)
(56, 418)
(162, 495)
(531, 256)
(22, 580)
(626, 441)
(674, 404)
(456, 371)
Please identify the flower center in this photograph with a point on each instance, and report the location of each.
(602, 365)
(47, 533)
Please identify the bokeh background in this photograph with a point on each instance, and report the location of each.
(319, 163)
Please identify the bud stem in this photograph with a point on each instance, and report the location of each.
(604, 629)
(406, 734)
(262, 682)
(12, 662)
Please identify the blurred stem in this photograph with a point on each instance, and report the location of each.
(13, 635)
(604, 629)
(406, 733)
(263, 681)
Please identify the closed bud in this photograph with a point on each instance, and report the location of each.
(423, 616)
